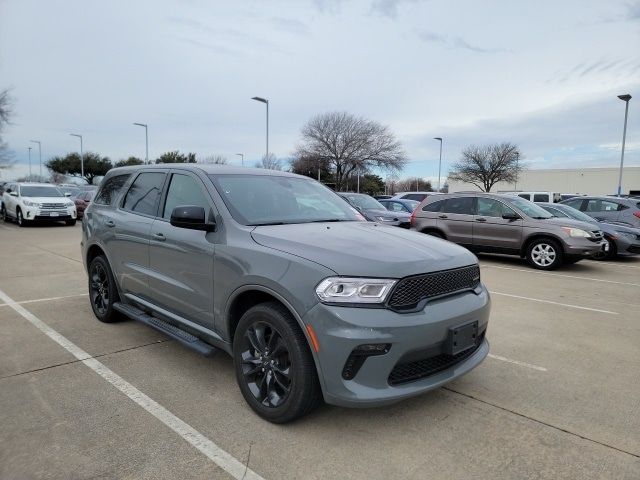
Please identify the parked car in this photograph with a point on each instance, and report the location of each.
(373, 211)
(418, 196)
(69, 190)
(486, 222)
(399, 205)
(82, 201)
(279, 272)
(609, 209)
(537, 197)
(382, 197)
(620, 239)
(28, 202)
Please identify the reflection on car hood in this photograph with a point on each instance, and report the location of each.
(365, 249)
(570, 222)
(375, 212)
(47, 199)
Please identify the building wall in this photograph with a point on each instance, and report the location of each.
(591, 181)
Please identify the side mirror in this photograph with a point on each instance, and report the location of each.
(191, 217)
(67, 194)
(510, 216)
(13, 193)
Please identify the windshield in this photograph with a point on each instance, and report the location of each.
(364, 201)
(412, 204)
(271, 200)
(40, 191)
(528, 208)
(576, 214)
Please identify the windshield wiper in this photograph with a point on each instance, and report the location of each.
(328, 220)
(266, 224)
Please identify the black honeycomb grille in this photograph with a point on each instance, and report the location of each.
(411, 290)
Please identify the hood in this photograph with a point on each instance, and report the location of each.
(569, 222)
(365, 249)
(612, 227)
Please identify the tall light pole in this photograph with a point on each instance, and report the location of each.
(625, 98)
(29, 163)
(39, 155)
(81, 154)
(515, 185)
(146, 141)
(440, 162)
(241, 155)
(266, 102)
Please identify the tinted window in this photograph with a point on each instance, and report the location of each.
(40, 191)
(396, 207)
(541, 197)
(524, 195)
(184, 190)
(144, 194)
(415, 196)
(110, 189)
(433, 206)
(574, 203)
(558, 213)
(363, 201)
(487, 207)
(601, 206)
(528, 208)
(460, 205)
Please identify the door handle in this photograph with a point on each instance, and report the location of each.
(110, 223)
(442, 216)
(481, 219)
(159, 236)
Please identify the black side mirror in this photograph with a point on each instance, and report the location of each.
(191, 217)
(511, 216)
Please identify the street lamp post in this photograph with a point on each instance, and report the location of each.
(515, 185)
(440, 161)
(241, 155)
(266, 102)
(29, 163)
(146, 141)
(39, 155)
(81, 154)
(625, 98)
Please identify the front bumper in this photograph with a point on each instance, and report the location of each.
(582, 247)
(341, 329)
(38, 213)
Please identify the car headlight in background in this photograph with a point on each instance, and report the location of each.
(70, 203)
(31, 204)
(577, 232)
(354, 290)
(385, 219)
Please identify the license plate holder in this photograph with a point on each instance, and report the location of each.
(461, 338)
(53, 214)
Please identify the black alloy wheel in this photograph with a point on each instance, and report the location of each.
(102, 290)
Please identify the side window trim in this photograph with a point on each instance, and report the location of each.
(165, 192)
(132, 181)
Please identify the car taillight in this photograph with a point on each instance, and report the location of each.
(636, 213)
(413, 217)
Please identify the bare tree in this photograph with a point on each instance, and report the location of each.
(486, 165)
(215, 159)
(6, 112)
(270, 163)
(348, 143)
(414, 184)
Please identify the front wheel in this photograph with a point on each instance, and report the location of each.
(3, 214)
(70, 223)
(19, 218)
(608, 253)
(274, 366)
(544, 254)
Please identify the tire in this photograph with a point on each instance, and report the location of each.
(3, 213)
(544, 254)
(273, 394)
(608, 255)
(103, 292)
(19, 218)
(70, 223)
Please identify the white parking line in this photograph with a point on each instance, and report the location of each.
(554, 303)
(561, 275)
(517, 362)
(45, 299)
(223, 459)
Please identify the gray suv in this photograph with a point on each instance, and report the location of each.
(486, 222)
(279, 272)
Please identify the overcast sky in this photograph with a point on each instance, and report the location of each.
(543, 74)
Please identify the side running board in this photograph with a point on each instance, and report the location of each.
(168, 329)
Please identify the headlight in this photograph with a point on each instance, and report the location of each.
(31, 204)
(354, 290)
(384, 219)
(577, 232)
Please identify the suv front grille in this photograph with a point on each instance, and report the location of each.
(410, 291)
(52, 206)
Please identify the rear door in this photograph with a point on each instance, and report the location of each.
(457, 218)
(493, 231)
(180, 259)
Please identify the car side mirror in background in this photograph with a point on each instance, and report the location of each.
(511, 216)
(191, 217)
(67, 194)
(13, 193)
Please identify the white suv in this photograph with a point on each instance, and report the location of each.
(27, 202)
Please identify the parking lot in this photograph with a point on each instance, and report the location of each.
(559, 396)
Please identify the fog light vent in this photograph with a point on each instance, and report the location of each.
(359, 355)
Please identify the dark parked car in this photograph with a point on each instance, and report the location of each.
(82, 201)
(282, 274)
(609, 209)
(619, 239)
(400, 205)
(486, 222)
(374, 211)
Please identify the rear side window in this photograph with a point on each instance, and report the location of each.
(144, 195)
(433, 206)
(526, 196)
(110, 189)
(541, 197)
(601, 206)
(574, 203)
(460, 205)
(414, 196)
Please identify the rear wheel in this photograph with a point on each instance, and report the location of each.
(608, 253)
(273, 363)
(544, 254)
(102, 290)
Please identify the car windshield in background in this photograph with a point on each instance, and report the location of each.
(528, 208)
(272, 200)
(577, 215)
(364, 201)
(37, 191)
(412, 204)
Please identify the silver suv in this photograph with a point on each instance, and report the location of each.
(486, 222)
(279, 272)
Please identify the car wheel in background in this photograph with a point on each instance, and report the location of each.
(19, 218)
(608, 253)
(102, 290)
(544, 254)
(70, 223)
(274, 366)
(3, 214)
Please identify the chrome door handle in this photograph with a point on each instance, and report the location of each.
(481, 219)
(159, 236)
(442, 216)
(110, 223)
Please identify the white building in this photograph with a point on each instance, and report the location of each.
(591, 181)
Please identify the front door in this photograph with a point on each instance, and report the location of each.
(180, 259)
(491, 230)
